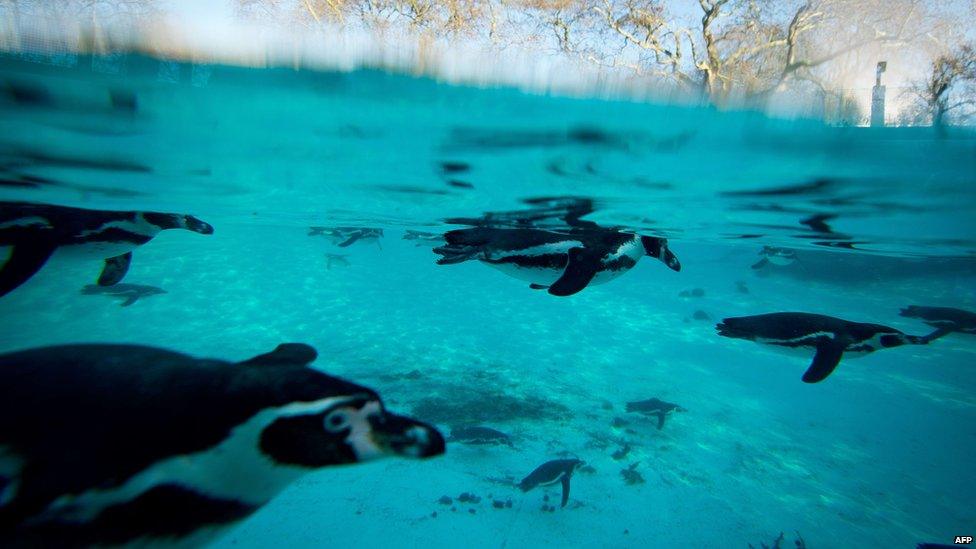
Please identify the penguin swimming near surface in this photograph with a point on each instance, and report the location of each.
(564, 257)
(35, 231)
(344, 237)
(654, 407)
(551, 472)
(771, 255)
(126, 444)
(562, 262)
(828, 336)
(945, 320)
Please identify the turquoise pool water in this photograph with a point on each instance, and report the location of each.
(878, 455)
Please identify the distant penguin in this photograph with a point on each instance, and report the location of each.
(551, 472)
(36, 231)
(344, 237)
(770, 255)
(830, 338)
(564, 262)
(479, 435)
(126, 444)
(945, 320)
(129, 292)
(654, 407)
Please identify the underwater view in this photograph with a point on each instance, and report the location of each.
(569, 321)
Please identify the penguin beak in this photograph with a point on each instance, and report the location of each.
(402, 436)
(198, 226)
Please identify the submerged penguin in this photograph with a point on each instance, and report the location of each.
(564, 262)
(770, 255)
(654, 407)
(130, 293)
(945, 320)
(551, 472)
(344, 237)
(479, 435)
(829, 337)
(35, 231)
(118, 444)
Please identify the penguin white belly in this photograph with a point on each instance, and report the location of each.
(632, 249)
(535, 275)
(780, 260)
(94, 250)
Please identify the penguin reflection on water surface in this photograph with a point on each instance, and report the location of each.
(830, 338)
(563, 260)
(34, 232)
(126, 444)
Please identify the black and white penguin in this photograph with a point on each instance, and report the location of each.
(771, 255)
(34, 232)
(654, 407)
(127, 444)
(551, 472)
(830, 337)
(564, 262)
(945, 320)
(344, 237)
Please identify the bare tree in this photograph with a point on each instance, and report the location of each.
(949, 88)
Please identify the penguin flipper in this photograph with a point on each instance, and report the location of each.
(285, 354)
(349, 241)
(535, 286)
(24, 261)
(660, 420)
(129, 300)
(582, 267)
(114, 270)
(565, 481)
(761, 263)
(828, 356)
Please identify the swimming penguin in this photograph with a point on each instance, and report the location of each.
(828, 336)
(36, 231)
(551, 472)
(126, 444)
(781, 257)
(564, 262)
(423, 238)
(347, 236)
(479, 435)
(129, 292)
(945, 320)
(654, 407)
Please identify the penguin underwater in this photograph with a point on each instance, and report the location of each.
(654, 407)
(945, 320)
(116, 444)
(37, 231)
(831, 338)
(551, 472)
(562, 260)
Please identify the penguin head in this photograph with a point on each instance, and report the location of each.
(348, 430)
(658, 247)
(179, 221)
